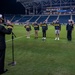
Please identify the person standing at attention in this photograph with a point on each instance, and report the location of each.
(44, 29)
(57, 26)
(28, 29)
(36, 28)
(3, 31)
(69, 28)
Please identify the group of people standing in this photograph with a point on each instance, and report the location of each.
(44, 25)
(36, 29)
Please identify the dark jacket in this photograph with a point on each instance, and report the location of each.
(36, 27)
(3, 31)
(28, 27)
(44, 26)
(69, 27)
(57, 26)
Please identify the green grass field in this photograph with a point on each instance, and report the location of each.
(37, 57)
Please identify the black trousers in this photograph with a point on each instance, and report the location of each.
(2, 58)
(44, 33)
(69, 35)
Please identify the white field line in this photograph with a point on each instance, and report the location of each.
(19, 37)
(15, 38)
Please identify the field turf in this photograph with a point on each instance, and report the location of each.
(37, 57)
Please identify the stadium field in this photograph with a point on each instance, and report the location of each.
(37, 57)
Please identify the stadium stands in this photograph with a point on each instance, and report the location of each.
(39, 18)
(52, 18)
(25, 18)
(16, 18)
(50, 9)
(34, 18)
(73, 16)
(8, 17)
(64, 18)
(42, 18)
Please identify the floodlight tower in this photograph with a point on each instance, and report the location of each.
(29, 4)
(26, 4)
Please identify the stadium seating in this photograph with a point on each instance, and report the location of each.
(52, 18)
(8, 16)
(25, 18)
(64, 18)
(73, 17)
(42, 18)
(16, 18)
(34, 18)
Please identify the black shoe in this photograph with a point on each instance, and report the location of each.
(69, 39)
(4, 71)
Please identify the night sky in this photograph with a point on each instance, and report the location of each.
(11, 7)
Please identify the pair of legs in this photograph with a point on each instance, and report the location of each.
(57, 32)
(2, 60)
(69, 35)
(44, 34)
(28, 34)
(36, 34)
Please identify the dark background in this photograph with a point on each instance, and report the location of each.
(11, 7)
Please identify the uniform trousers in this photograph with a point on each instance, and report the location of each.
(44, 33)
(69, 35)
(2, 58)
